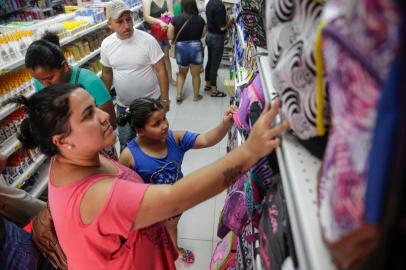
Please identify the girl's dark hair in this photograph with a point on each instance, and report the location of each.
(139, 112)
(189, 8)
(51, 37)
(48, 115)
(43, 53)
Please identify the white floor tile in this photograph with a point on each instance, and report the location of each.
(201, 126)
(197, 223)
(198, 226)
(202, 251)
(197, 158)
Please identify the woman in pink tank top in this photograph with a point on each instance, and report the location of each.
(104, 216)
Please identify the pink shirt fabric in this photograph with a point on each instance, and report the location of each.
(109, 241)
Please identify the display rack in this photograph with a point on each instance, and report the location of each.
(10, 146)
(9, 108)
(20, 62)
(299, 178)
(42, 181)
(30, 170)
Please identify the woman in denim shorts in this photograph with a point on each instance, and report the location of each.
(189, 49)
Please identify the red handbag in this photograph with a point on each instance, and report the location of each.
(159, 32)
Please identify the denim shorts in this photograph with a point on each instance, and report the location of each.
(189, 52)
(17, 251)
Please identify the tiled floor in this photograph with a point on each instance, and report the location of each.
(198, 226)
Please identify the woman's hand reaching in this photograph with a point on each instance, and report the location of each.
(263, 139)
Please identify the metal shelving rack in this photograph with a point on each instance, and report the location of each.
(299, 177)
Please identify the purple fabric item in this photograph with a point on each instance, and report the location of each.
(357, 58)
(234, 215)
(252, 93)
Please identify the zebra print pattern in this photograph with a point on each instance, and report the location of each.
(291, 29)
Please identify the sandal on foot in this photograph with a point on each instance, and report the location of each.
(186, 256)
(218, 94)
(197, 98)
(207, 88)
(179, 99)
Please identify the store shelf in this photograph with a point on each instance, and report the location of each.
(30, 170)
(299, 177)
(82, 33)
(231, 1)
(20, 62)
(86, 59)
(240, 34)
(4, 14)
(11, 66)
(9, 108)
(10, 146)
(42, 181)
(138, 24)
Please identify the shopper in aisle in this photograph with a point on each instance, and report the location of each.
(187, 29)
(217, 25)
(153, 10)
(157, 152)
(47, 64)
(16, 204)
(134, 61)
(104, 216)
(17, 208)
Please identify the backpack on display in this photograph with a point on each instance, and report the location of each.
(358, 56)
(275, 238)
(251, 18)
(291, 31)
(234, 215)
(224, 255)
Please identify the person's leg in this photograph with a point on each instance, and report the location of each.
(217, 54)
(195, 71)
(168, 64)
(180, 82)
(125, 133)
(195, 62)
(172, 226)
(17, 251)
(208, 64)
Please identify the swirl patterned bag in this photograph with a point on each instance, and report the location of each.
(291, 34)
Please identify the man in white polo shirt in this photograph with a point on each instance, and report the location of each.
(134, 61)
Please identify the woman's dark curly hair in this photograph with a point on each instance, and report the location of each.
(48, 115)
(139, 112)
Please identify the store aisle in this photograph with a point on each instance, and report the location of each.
(197, 227)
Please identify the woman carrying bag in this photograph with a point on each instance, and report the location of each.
(186, 31)
(158, 13)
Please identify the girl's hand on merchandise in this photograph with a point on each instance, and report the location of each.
(228, 115)
(263, 139)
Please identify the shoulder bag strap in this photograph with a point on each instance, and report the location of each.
(77, 76)
(183, 26)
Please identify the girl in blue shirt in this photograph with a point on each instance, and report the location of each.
(157, 152)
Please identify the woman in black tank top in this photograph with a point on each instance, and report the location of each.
(153, 10)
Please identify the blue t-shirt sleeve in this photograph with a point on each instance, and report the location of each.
(188, 140)
(95, 86)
